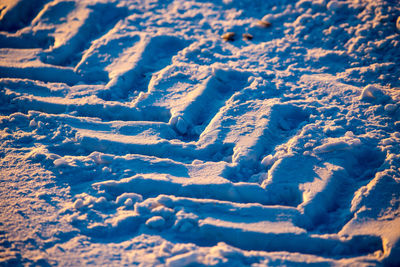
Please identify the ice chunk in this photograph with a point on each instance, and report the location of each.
(372, 93)
(125, 196)
(156, 222)
(78, 204)
(337, 144)
(60, 162)
(179, 124)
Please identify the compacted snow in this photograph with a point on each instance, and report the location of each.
(204, 132)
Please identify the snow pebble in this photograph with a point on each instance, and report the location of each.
(390, 108)
(371, 92)
(32, 123)
(78, 204)
(53, 156)
(334, 6)
(128, 202)
(106, 170)
(229, 36)
(197, 162)
(264, 23)
(268, 161)
(133, 196)
(60, 162)
(156, 222)
(179, 124)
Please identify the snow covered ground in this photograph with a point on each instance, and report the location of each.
(142, 132)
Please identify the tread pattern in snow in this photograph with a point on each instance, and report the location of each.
(171, 131)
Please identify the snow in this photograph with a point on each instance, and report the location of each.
(372, 93)
(204, 132)
(156, 222)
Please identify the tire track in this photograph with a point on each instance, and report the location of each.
(112, 102)
(17, 14)
(83, 24)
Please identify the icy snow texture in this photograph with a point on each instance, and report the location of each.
(132, 133)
